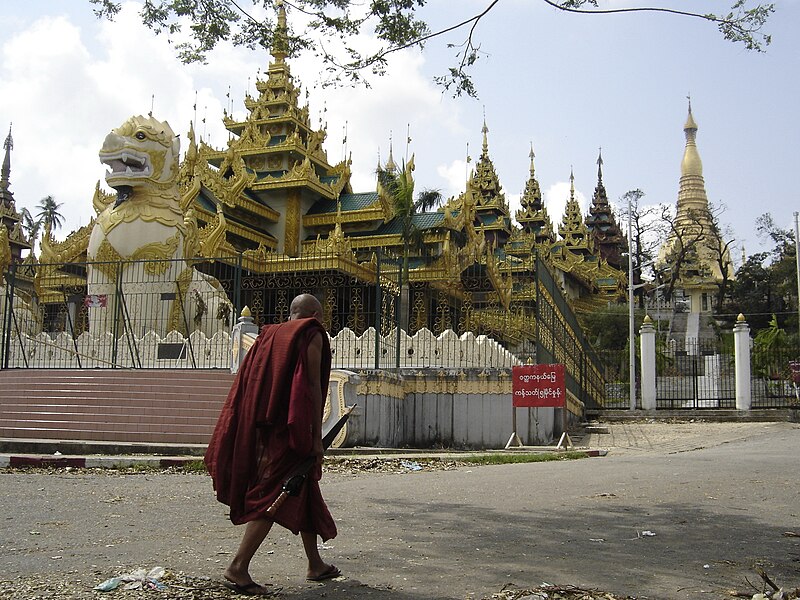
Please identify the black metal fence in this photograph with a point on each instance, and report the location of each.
(696, 373)
(178, 314)
(775, 377)
(135, 313)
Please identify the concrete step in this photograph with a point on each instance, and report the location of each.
(153, 406)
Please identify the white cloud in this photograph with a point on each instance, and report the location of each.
(455, 176)
(66, 98)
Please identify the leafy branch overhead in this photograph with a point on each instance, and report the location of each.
(197, 26)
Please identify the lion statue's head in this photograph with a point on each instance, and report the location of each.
(141, 152)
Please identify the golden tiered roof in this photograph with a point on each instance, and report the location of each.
(272, 192)
(573, 230)
(533, 215)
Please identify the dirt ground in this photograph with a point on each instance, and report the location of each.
(674, 511)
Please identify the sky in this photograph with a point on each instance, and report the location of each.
(564, 85)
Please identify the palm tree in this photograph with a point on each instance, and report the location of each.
(48, 214)
(399, 189)
(31, 226)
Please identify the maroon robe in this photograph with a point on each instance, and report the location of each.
(265, 430)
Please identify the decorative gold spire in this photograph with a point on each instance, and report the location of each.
(571, 185)
(600, 166)
(280, 45)
(691, 164)
(391, 166)
(485, 131)
(700, 271)
(533, 215)
(573, 229)
(6, 197)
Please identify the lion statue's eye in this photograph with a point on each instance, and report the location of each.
(140, 135)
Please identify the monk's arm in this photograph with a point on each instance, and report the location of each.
(315, 385)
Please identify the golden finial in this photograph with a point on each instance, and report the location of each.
(279, 42)
(648, 320)
(600, 164)
(485, 131)
(571, 184)
(246, 312)
(740, 318)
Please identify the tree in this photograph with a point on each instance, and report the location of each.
(782, 270)
(31, 226)
(399, 189)
(718, 243)
(394, 22)
(750, 293)
(647, 233)
(687, 238)
(48, 214)
(766, 283)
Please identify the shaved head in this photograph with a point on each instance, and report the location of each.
(305, 306)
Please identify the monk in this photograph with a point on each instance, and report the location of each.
(271, 422)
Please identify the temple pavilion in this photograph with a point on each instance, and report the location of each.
(271, 215)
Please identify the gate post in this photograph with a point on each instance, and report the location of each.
(741, 349)
(647, 335)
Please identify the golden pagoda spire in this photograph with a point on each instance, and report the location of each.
(391, 166)
(532, 155)
(280, 45)
(485, 131)
(571, 185)
(691, 164)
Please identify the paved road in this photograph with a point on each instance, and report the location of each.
(718, 500)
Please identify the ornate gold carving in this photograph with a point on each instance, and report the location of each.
(159, 252)
(356, 320)
(440, 382)
(330, 315)
(212, 236)
(443, 321)
(176, 313)
(5, 250)
(291, 238)
(502, 284)
(107, 260)
(101, 200)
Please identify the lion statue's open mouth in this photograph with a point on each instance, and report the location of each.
(141, 153)
(127, 163)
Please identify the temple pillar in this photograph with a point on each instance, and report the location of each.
(741, 349)
(648, 348)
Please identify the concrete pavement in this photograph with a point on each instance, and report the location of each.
(719, 500)
(617, 437)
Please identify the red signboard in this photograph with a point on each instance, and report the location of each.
(539, 386)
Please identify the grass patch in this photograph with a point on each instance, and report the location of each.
(195, 466)
(512, 458)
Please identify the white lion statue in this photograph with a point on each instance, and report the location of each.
(137, 246)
